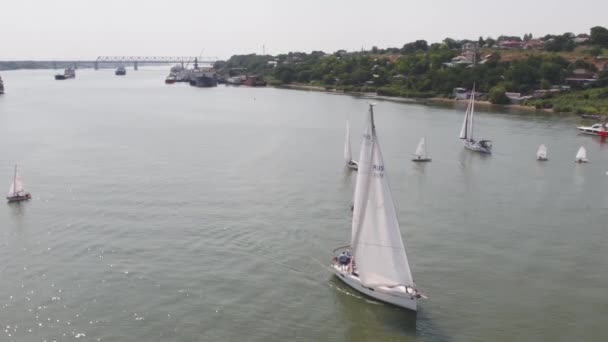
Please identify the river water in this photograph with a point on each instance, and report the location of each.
(174, 213)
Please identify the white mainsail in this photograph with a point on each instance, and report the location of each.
(581, 154)
(376, 243)
(542, 152)
(16, 185)
(421, 149)
(348, 156)
(472, 112)
(464, 130)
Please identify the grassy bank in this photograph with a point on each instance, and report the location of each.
(590, 101)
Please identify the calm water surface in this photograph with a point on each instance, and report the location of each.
(172, 213)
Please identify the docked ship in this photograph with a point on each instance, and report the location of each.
(67, 73)
(254, 81)
(203, 79)
(235, 80)
(120, 71)
(1, 86)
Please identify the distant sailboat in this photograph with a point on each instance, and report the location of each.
(16, 193)
(581, 155)
(348, 155)
(466, 132)
(541, 153)
(420, 155)
(375, 263)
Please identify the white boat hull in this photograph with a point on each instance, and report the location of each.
(475, 146)
(395, 296)
(353, 165)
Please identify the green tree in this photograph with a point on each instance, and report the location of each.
(599, 36)
(498, 96)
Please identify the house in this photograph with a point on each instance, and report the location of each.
(534, 44)
(511, 44)
(582, 78)
(580, 40)
(469, 46)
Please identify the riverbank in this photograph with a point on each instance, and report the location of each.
(426, 101)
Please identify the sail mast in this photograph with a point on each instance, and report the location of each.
(470, 136)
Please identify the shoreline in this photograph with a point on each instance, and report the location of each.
(424, 101)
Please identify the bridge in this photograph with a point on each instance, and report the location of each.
(137, 60)
(134, 60)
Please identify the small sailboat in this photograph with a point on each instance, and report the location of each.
(581, 155)
(541, 153)
(466, 132)
(16, 193)
(375, 262)
(348, 155)
(420, 154)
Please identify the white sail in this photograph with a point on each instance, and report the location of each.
(421, 149)
(464, 130)
(377, 245)
(16, 185)
(542, 152)
(348, 156)
(581, 154)
(471, 113)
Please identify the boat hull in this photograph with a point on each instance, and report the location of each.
(19, 198)
(353, 165)
(542, 158)
(421, 160)
(383, 294)
(477, 147)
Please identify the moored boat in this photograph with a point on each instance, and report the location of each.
(1, 86)
(170, 79)
(597, 129)
(67, 73)
(375, 263)
(254, 81)
(120, 71)
(16, 192)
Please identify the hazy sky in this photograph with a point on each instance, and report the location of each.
(85, 29)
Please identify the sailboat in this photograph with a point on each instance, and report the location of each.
(16, 193)
(375, 262)
(541, 153)
(420, 154)
(466, 132)
(348, 156)
(581, 155)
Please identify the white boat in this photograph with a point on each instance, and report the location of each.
(466, 132)
(597, 129)
(348, 156)
(16, 193)
(420, 155)
(581, 155)
(375, 262)
(541, 153)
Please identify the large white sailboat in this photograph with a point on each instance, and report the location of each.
(466, 132)
(420, 155)
(375, 262)
(16, 192)
(348, 155)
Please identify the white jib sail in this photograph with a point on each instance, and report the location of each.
(581, 154)
(542, 152)
(377, 245)
(348, 156)
(421, 149)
